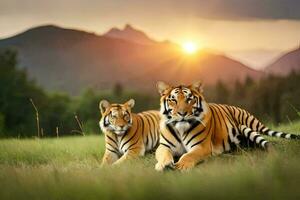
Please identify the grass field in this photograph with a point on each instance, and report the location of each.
(68, 168)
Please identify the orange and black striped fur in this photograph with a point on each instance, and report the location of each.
(127, 135)
(193, 129)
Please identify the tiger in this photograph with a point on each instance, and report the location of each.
(192, 129)
(127, 135)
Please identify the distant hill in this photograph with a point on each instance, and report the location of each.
(72, 60)
(285, 64)
(256, 58)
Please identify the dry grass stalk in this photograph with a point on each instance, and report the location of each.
(37, 118)
(42, 132)
(79, 124)
(57, 132)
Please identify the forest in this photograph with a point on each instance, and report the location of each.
(274, 100)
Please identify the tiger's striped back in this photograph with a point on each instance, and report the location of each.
(231, 121)
(150, 122)
(242, 128)
(245, 118)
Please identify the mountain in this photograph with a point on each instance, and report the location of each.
(285, 64)
(72, 60)
(131, 34)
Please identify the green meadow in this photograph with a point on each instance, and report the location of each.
(69, 168)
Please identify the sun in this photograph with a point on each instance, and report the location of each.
(189, 47)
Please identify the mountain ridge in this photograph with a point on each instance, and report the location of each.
(131, 34)
(71, 60)
(285, 64)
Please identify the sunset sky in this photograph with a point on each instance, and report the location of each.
(235, 27)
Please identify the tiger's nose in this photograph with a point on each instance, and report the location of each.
(182, 114)
(121, 126)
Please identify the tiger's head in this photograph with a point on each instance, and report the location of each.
(116, 118)
(183, 103)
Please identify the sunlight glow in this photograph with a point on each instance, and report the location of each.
(189, 47)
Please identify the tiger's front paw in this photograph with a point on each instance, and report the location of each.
(161, 166)
(184, 165)
(119, 162)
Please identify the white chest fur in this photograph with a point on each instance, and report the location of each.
(182, 127)
(119, 144)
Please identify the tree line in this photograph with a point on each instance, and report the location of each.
(272, 99)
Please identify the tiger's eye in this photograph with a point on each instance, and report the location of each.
(188, 100)
(126, 117)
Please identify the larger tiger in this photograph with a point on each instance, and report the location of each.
(193, 129)
(127, 135)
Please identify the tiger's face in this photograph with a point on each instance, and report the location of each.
(182, 104)
(116, 118)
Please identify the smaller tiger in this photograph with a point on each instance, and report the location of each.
(127, 135)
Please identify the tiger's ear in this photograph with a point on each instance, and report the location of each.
(197, 86)
(130, 103)
(103, 105)
(162, 87)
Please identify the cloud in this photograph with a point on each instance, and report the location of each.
(206, 9)
(245, 9)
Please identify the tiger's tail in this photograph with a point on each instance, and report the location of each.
(254, 124)
(279, 134)
(255, 137)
